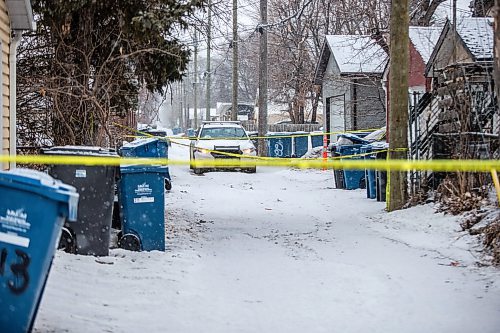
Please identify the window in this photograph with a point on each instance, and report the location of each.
(223, 132)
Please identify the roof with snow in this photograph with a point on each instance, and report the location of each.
(357, 53)
(477, 34)
(424, 39)
(353, 54)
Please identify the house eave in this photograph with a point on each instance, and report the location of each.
(21, 15)
(322, 64)
(361, 74)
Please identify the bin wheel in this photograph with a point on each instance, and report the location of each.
(250, 170)
(197, 171)
(168, 185)
(130, 242)
(362, 183)
(67, 241)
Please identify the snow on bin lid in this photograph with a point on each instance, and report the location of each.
(81, 150)
(379, 145)
(139, 142)
(278, 133)
(41, 177)
(353, 138)
(45, 185)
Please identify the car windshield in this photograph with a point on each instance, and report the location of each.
(223, 132)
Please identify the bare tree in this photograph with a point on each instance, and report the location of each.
(422, 11)
(88, 60)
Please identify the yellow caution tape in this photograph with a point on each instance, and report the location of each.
(494, 176)
(388, 188)
(276, 136)
(340, 162)
(302, 163)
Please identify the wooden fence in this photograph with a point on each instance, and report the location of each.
(253, 127)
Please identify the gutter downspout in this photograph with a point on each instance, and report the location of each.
(16, 37)
(2, 165)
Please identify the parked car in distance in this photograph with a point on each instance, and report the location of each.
(217, 140)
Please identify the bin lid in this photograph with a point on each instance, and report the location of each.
(81, 150)
(44, 185)
(144, 169)
(279, 134)
(379, 145)
(138, 142)
(354, 138)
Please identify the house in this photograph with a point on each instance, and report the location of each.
(246, 111)
(15, 16)
(459, 118)
(482, 8)
(349, 71)
(422, 42)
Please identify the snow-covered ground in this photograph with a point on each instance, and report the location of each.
(279, 251)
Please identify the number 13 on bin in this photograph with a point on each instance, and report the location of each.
(17, 272)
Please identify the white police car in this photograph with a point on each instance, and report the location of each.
(222, 140)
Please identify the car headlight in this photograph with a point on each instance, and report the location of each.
(248, 151)
(202, 151)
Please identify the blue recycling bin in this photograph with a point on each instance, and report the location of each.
(353, 179)
(142, 207)
(33, 208)
(145, 147)
(191, 132)
(317, 139)
(176, 130)
(279, 144)
(300, 144)
(151, 148)
(370, 175)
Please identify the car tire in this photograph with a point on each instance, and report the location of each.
(198, 171)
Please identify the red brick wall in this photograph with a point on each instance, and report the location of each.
(417, 69)
(415, 78)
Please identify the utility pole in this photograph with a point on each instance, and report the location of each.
(454, 35)
(195, 82)
(234, 108)
(181, 104)
(186, 108)
(262, 129)
(209, 41)
(496, 49)
(398, 92)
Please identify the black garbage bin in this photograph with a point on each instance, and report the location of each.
(338, 174)
(381, 177)
(90, 235)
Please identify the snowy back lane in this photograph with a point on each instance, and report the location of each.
(278, 251)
